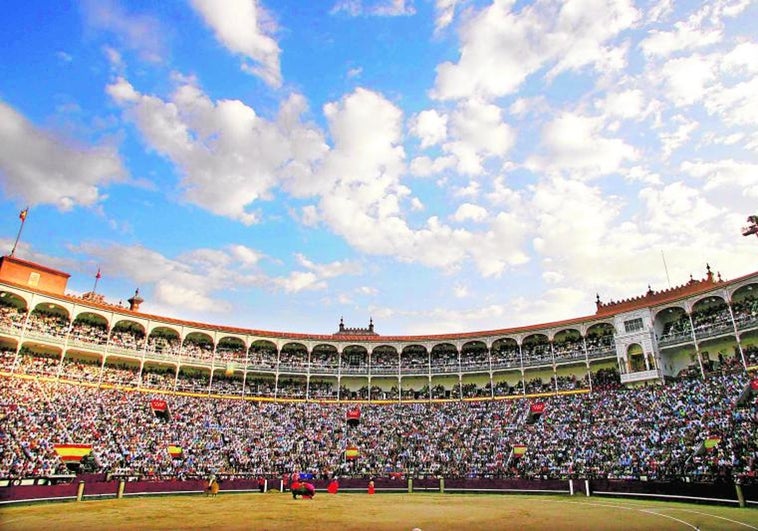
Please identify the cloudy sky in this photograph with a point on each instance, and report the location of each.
(438, 165)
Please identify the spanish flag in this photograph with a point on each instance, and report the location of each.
(519, 450)
(72, 453)
(175, 451)
(351, 452)
(22, 215)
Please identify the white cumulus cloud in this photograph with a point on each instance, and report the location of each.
(38, 166)
(470, 212)
(244, 27)
(501, 47)
(227, 155)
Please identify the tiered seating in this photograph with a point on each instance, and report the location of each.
(650, 431)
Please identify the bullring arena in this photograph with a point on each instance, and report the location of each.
(640, 416)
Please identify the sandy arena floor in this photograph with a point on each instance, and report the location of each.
(275, 511)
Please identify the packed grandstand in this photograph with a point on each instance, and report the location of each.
(660, 386)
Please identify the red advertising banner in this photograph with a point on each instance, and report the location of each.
(537, 408)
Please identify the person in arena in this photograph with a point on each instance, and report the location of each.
(213, 487)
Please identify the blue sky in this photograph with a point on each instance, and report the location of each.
(438, 165)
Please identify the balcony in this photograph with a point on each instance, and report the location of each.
(352, 370)
(607, 352)
(641, 376)
(675, 339)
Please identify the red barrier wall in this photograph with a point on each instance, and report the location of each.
(709, 492)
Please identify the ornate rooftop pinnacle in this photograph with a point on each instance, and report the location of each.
(656, 297)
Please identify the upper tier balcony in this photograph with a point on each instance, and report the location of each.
(641, 376)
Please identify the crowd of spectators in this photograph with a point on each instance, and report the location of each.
(87, 332)
(385, 361)
(127, 338)
(11, 317)
(745, 310)
(473, 356)
(655, 431)
(230, 351)
(51, 324)
(708, 319)
(505, 354)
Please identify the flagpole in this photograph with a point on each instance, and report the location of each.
(666, 268)
(97, 277)
(22, 217)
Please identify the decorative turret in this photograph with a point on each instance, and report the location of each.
(135, 301)
(347, 331)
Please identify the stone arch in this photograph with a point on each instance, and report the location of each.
(81, 364)
(414, 359)
(354, 360)
(475, 355)
(444, 356)
(385, 359)
(536, 350)
(89, 327)
(231, 349)
(127, 334)
(262, 354)
(600, 340)
(325, 358)
(121, 370)
(14, 309)
(505, 353)
(293, 357)
(198, 346)
(38, 359)
(159, 374)
(710, 313)
(10, 299)
(49, 318)
(193, 379)
(568, 344)
(164, 340)
(635, 358)
(671, 324)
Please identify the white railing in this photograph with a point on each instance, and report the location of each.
(640, 376)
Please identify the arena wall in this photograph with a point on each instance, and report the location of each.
(718, 493)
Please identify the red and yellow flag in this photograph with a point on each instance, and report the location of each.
(519, 450)
(175, 451)
(72, 453)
